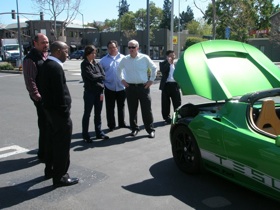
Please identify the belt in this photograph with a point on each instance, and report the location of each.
(136, 84)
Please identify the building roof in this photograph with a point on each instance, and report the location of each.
(73, 25)
(14, 25)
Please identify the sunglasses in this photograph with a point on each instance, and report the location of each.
(131, 47)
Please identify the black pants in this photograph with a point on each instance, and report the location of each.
(42, 121)
(58, 144)
(170, 91)
(136, 94)
(111, 98)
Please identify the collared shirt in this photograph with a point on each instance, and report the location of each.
(30, 72)
(56, 60)
(110, 65)
(135, 70)
(171, 71)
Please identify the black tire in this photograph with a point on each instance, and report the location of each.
(185, 150)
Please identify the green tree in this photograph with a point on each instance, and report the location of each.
(165, 22)
(128, 21)
(241, 16)
(123, 8)
(186, 17)
(155, 17)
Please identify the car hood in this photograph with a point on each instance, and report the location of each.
(223, 69)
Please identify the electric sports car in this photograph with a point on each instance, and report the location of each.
(237, 134)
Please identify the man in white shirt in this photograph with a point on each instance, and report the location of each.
(133, 72)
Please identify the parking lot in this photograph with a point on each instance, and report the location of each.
(121, 173)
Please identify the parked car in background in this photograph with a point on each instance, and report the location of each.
(237, 135)
(78, 54)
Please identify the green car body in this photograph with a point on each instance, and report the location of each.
(229, 136)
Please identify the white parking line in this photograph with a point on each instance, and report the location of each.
(11, 150)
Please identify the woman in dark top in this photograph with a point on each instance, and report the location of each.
(93, 76)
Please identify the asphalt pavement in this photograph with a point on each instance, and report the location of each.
(122, 173)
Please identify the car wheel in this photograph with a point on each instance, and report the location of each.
(185, 150)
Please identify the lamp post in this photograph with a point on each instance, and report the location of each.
(82, 22)
(19, 38)
(179, 29)
(148, 28)
(172, 25)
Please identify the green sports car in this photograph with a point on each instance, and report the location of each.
(237, 135)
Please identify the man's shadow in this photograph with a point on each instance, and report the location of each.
(197, 190)
(16, 194)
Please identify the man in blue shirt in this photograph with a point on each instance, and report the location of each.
(114, 89)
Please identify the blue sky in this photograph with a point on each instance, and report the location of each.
(94, 10)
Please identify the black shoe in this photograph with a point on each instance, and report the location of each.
(152, 135)
(134, 133)
(103, 136)
(65, 181)
(168, 120)
(88, 140)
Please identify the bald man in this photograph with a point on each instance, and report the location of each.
(57, 104)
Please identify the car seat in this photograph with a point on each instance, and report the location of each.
(268, 121)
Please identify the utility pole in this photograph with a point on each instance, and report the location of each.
(148, 28)
(179, 29)
(172, 25)
(19, 37)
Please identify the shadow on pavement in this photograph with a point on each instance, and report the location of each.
(202, 191)
(18, 193)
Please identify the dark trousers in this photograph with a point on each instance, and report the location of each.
(135, 94)
(42, 121)
(58, 144)
(92, 98)
(170, 91)
(113, 97)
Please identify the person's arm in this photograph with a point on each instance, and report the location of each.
(121, 74)
(30, 73)
(87, 72)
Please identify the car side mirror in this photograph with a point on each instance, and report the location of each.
(277, 141)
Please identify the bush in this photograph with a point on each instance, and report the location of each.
(193, 40)
(6, 66)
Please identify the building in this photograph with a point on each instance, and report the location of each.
(77, 37)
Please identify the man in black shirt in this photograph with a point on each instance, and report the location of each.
(57, 104)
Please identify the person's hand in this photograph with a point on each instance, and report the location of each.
(125, 83)
(148, 84)
(170, 60)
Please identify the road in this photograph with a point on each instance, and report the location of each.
(122, 173)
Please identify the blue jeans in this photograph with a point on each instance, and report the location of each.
(92, 98)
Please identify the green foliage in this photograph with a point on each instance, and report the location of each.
(156, 14)
(123, 8)
(241, 16)
(166, 19)
(186, 17)
(192, 40)
(6, 66)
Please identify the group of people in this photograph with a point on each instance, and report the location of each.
(116, 76)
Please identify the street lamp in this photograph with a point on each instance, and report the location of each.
(172, 25)
(82, 23)
(19, 38)
(179, 29)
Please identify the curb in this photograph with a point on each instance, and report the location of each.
(11, 71)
